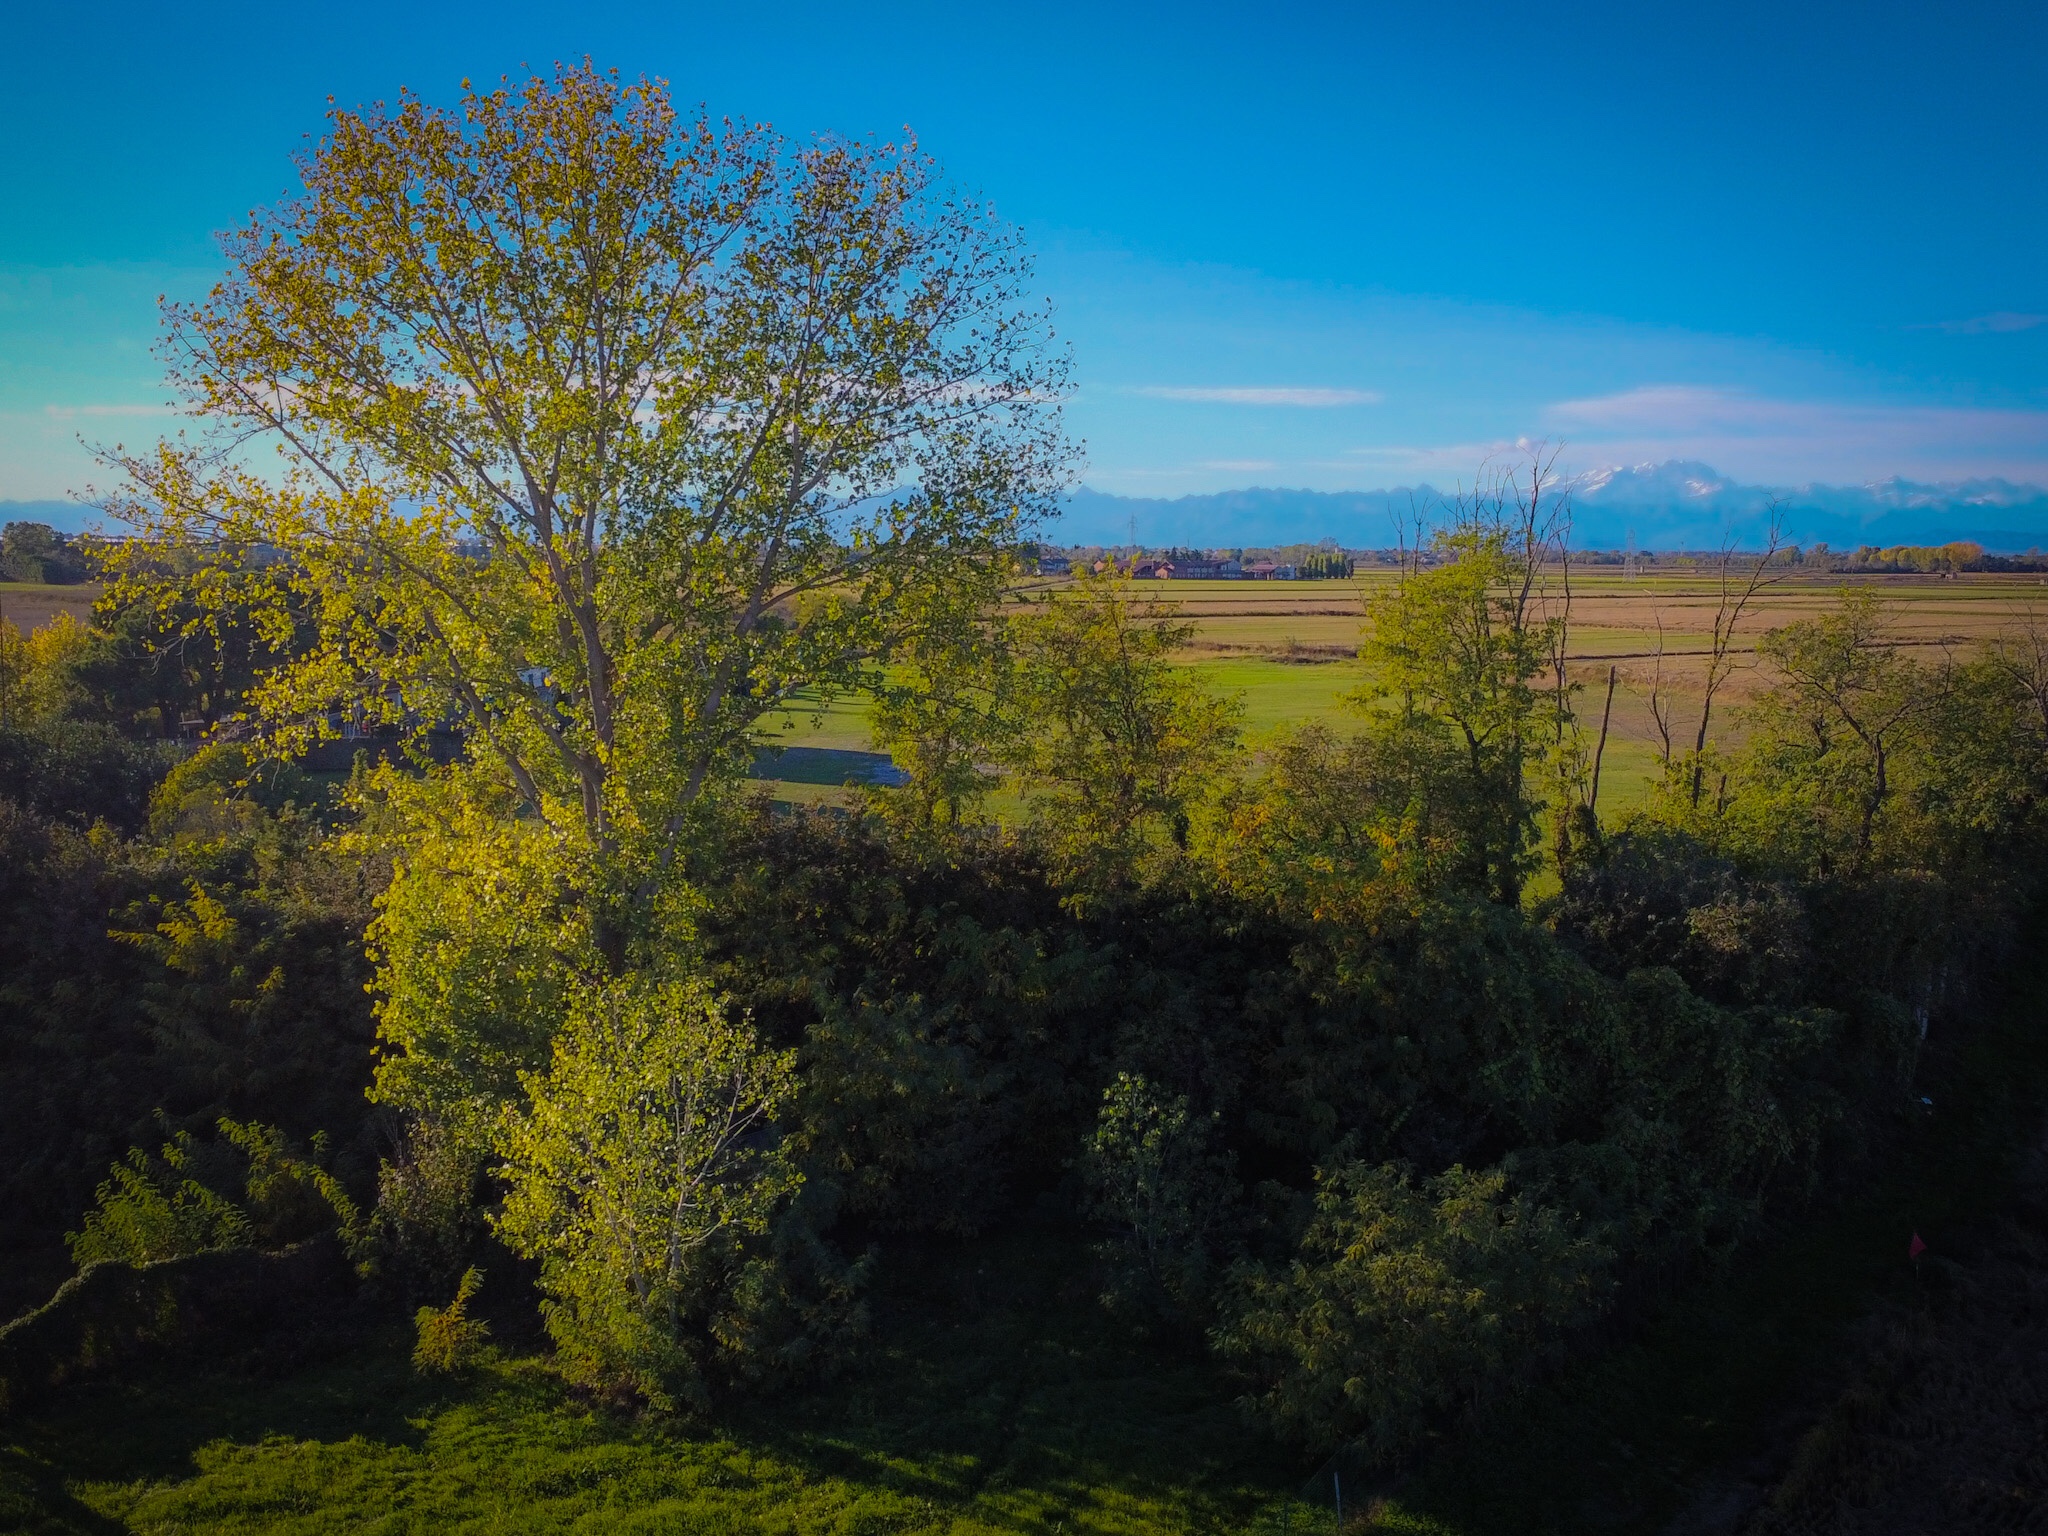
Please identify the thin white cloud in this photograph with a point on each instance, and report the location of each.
(66, 412)
(1998, 322)
(1244, 466)
(1758, 437)
(1311, 398)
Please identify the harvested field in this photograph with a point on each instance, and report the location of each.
(1274, 634)
(29, 607)
(1289, 650)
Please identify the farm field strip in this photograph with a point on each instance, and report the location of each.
(29, 607)
(1289, 653)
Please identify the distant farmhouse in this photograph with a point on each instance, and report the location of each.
(1298, 562)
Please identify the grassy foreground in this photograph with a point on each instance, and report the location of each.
(995, 1399)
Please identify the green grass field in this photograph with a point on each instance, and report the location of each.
(1276, 696)
(996, 1398)
(1285, 650)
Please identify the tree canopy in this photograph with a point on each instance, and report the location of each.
(600, 431)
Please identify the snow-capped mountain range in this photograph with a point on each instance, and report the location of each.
(1675, 505)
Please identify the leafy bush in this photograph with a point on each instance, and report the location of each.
(177, 1203)
(429, 1220)
(1153, 1170)
(81, 772)
(640, 1162)
(478, 937)
(235, 988)
(448, 1338)
(154, 1208)
(1410, 1300)
(1660, 898)
(940, 1006)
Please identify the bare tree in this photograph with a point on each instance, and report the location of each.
(1660, 699)
(1600, 751)
(2021, 653)
(1739, 589)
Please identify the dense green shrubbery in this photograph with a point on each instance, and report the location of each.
(211, 969)
(1408, 1301)
(1288, 1039)
(1286, 1031)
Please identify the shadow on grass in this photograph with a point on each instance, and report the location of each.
(33, 1498)
(149, 1426)
(995, 1381)
(993, 1396)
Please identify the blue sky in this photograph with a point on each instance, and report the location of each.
(1320, 246)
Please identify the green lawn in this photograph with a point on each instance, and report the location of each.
(1276, 696)
(1280, 694)
(996, 1398)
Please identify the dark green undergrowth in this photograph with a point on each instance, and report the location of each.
(1718, 1383)
(997, 1397)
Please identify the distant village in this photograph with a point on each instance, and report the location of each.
(1295, 562)
(1327, 561)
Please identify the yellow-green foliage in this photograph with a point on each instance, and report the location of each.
(1411, 1298)
(1116, 744)
(289, 1194)
(607, 570)
(225, 788)
(945, 710)
(36, 671)
(1460, 645)
(1328, 818)
(153, 1208)
(642, 1158)
(477, 937)
(1958, 555)
(448, 1338)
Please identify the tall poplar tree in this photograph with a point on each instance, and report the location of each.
(600, 432)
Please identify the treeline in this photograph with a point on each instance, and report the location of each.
(1287, 1036)
(36, 552)
(1322, 561)
(1898, 559)
(1946, 559)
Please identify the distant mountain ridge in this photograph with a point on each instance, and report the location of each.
(64, 516)
(1675, 505)
(1679, 504)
